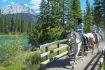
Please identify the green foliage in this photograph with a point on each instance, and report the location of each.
(50, 25)
(103, 65)
(75, 12)
(99, 12)
(34, 39)
(88, 17)
(33, 61)
(14, 24)
(13, 57)
(54, 33)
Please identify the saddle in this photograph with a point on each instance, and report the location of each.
(84, 39)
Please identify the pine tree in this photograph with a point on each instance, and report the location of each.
(75, 12)
(98, 12)
(88, 16)
(13, 24)
(2, 24)
(103, 11)
(0, 12)
(6, 25)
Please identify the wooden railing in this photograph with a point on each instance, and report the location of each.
(56, 49)
(102, 60)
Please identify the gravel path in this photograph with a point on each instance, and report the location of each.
(65, 63)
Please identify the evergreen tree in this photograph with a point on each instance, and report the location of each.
(75, 12)
(98, 12)
(0, 20)
(103, 12)
(12, 24)
(49, 26)
(0, 12)
(6, 25)
(2, 24)
(88, 16)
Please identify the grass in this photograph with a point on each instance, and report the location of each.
(18, 59)
(103, 65)
(54, 53)
(15, 58)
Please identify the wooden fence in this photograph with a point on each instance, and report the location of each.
(56, 49)
(102, 60)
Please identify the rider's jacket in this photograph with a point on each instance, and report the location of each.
(98, 30)
(95, 28)
(80, 27)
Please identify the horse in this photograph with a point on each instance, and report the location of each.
(74, 37)
(93, 40)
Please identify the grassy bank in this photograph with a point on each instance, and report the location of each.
(14, 57)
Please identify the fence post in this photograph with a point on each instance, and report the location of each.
(104, 58)
(46, 50)
(57, 47)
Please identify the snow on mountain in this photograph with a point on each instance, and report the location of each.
(18, 8)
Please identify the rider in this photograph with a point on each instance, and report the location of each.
(80, 29)
(95, 28)
(98, 30)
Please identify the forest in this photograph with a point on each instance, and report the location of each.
(59, 15)
(56, 16)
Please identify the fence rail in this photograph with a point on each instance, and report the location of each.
(102, 59)
(57, 49)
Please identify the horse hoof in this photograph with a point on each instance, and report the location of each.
(85, 54)
(72, 67)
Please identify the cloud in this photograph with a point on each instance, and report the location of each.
(35, 4)
(12, 2)
(27, 5)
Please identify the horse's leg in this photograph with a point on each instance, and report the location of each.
(97, 45)
(82, 49)
(93, 48)
(78, 50)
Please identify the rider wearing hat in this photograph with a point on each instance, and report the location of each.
(80, 29)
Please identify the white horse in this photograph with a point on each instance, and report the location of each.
(75, 38)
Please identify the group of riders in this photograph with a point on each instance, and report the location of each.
(84, 40)
(94, 28)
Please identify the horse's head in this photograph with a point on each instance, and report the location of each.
(71, 37)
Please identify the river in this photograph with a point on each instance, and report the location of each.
(4, 39)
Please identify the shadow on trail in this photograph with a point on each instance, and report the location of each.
(60, 63)
(90, 63)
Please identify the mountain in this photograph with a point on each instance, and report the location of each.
(21, 11)
(24, 16)
(17, 8)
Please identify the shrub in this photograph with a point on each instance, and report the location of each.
(33, 61)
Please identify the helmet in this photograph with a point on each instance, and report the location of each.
(79, 20)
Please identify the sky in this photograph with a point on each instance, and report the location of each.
(83, 4)
(35, 3)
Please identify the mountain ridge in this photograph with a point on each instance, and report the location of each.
(17, 8)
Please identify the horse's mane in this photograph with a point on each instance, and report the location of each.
(76, 34)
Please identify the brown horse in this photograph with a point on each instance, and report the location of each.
(94, 40)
